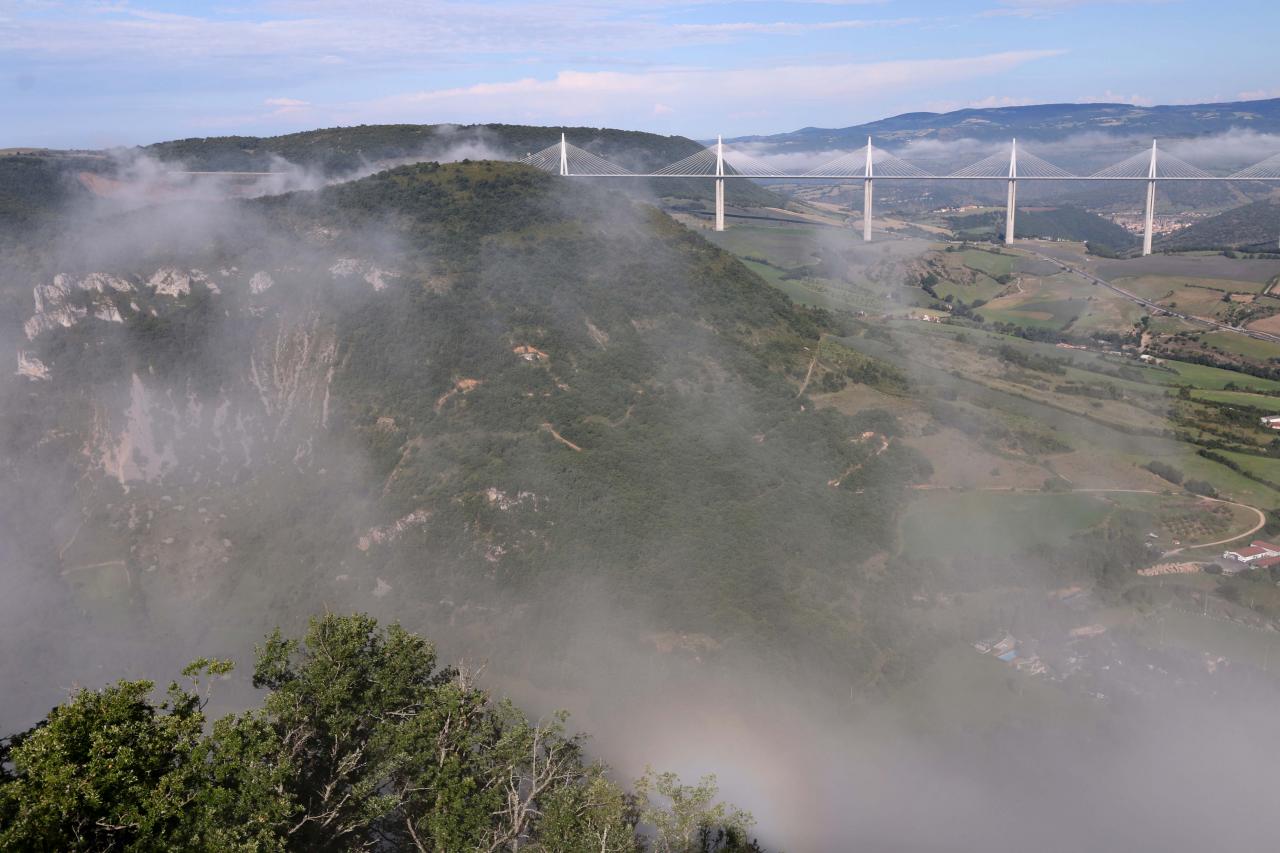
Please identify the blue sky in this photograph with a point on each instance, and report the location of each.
(88, 74)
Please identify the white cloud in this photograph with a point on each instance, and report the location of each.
(713, 93)
(1110, 97)
(787, 28)
(378, 32)
(992, 101)
(1047, 8)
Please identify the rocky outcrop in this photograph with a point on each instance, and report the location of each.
(59, 303)
(373, 275)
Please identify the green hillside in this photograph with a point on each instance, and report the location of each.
(1251, 226)
(344, 150)
(1058, 223)
(582, 396)
(35, 189)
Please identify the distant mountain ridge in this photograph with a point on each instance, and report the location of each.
(1039, 122)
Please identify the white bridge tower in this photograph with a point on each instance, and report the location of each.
(1013, 193)
(719, 183)
(1149, 220)
(866, 197)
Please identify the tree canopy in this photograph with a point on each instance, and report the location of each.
(363, 742)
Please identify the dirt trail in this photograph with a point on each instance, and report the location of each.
(809, 374)
(866, 436)
(101, 565)
(71, 541)
(560, 438)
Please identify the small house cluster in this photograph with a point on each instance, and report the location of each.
(1259, 555)
(1005, 648)
(1271, 421)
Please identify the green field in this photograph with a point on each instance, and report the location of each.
(1232, 484)
(1216, 379)
(1241, 398)
(1040, 313)
(983, 287)
(1259, 466)
(988, 262)
(786, 246)
(1250, 348)
(942, 524)
(823, 292)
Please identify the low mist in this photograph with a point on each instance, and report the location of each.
(217, 466)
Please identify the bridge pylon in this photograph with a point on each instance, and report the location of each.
(1013, 193)
(719, 183)
(1149, 217)
(866, 197)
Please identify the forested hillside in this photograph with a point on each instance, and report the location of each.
(1055, 223)
(342, 151)
(347, 149)
(515, 402)
(1252, 226)
(34, 189)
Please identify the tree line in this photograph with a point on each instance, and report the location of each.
(363, 742)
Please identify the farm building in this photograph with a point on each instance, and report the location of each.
(1257, 552)
(1271, 421)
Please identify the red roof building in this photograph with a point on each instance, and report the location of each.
(1257, 550)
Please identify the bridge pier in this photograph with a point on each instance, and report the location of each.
(1013, 194)
(866, 197)
(719, 183)
(1149, 219)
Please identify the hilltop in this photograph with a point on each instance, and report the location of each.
(1039, 123)
(313, 157)
(348, 149)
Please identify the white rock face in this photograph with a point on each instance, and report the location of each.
(393, 531)
(108, 312)
(375, 276)
(31, 367)
(134, 453)
(208, 282)
(101, 282)
(170, 282)
(503, 501)
(260, 282)
(345, 267)
(54, 304)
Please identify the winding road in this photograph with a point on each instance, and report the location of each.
(1262, 517)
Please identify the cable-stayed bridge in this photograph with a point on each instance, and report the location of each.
(869, 164)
